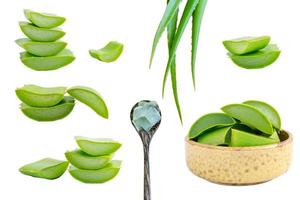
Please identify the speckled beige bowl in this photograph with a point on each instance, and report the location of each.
(240, 165)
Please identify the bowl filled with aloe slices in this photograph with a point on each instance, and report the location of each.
(242, 145)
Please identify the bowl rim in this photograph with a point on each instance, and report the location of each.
(262, 147)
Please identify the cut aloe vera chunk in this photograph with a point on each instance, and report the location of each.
(41, 34)
(44, 20)
(41, 48)
(62, 59)
(258, 59)
(47, 168)
(109, 53)
(245, 45)
(214, 137)
(82, 160)
(97, 147)
(37, 96)
(244, 139)
(91, 98)
(250, 116)
(53, 113)
(268, 111)
(96, 176)
(209, 121)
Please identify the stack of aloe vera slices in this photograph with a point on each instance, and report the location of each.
(43, 49)
(252, 123)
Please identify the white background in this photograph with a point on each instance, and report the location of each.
(91, 24)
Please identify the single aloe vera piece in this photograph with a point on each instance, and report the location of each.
(214, 137)
(91, 98)
(53, 113)
(41, 48)
(210, 121)
(37, 96)
(41, 34)
(250, 116)
(245, 45)
(268, 111)
(109, 53)
(103, 175)
(98, 146)
(258, 59)
(44, 20)
(47, 168)
(82, 160)
(60, 60)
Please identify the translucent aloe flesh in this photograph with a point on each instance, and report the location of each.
(44, 20)
(111, 52)
(216, 136)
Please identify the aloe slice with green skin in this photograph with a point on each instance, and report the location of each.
(60, 60)
(245, 139)
(250, 116)
(97, 147)
(44, 20)
(82, 160)
(209, 121)
(214, 137)
(245, 45)
(111, 52)
(47, 168)
(53, 113)
(96, 176)
(258, 59)
(91, 98)
(41, 48)
(41, 34)
(37, 96)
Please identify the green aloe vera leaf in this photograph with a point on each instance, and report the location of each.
(41, 48)
(275, 136)
(245, 139)
(44, 20)
(41, 34)
(47, 168)
(60, 60)
(91, 98)
(196, 24)
(98, 146)
(53, 113)
(210, 121)
(37, 96)
(103, 175)
(109, 53)
(82, 160)
(246, 45)
(268, 111)
(250, 116)
(170, 12)
(258, 59)
(214, 137)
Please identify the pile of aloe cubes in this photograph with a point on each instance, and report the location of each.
(43, 49)
(251, 123)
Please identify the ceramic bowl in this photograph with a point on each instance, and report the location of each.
(240, 165)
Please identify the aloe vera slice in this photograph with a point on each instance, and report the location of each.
(47, 168)
(109, 53)
(82, 160)
(244, 139)
(96, 176)
(53, 113)
(258, 59)
(91, 98)
(268, 111)
(37, 96)
(41, 48)
(250, 116)
(214, 137)
(97, 147)
(44, 20)
(41, 34)
(62, 59)
(209, 121)
(245, 45)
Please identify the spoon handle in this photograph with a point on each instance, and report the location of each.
(147, 189)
